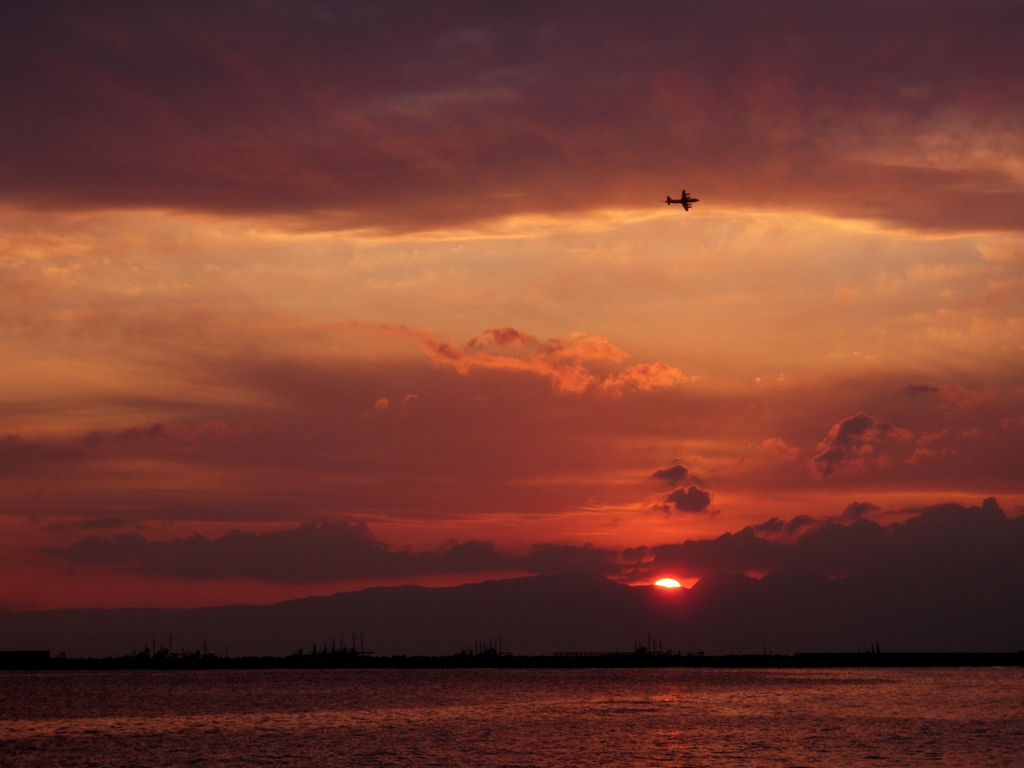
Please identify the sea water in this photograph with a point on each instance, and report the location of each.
(627, 717)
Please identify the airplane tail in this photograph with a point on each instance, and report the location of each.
(668, 200)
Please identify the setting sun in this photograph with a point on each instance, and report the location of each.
(668, 583)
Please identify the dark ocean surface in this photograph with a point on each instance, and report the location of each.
(685, 717)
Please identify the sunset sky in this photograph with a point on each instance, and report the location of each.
(300, 297)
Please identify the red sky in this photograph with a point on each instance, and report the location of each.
(388, 291)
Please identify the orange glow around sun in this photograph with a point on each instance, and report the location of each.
(668, 583)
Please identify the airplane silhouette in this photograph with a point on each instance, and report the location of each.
(684, 200)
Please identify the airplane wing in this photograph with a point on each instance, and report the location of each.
(686, 205)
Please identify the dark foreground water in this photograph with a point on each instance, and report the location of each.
(687, 717)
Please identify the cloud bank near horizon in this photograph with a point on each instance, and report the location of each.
(947, 541)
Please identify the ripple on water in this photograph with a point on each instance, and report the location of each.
(484, 718)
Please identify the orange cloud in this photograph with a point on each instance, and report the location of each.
(775, 449)
(646, 378)
(562, 361)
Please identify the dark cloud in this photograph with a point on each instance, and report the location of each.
(798, 522)
(936, 540)
(689, 499)
(319, 552)
(951, 394)
(852, 444)
(99, 523)
(335, 111)
(672, 475)
(774, 525)
(561, 558)
(311, 552)
(107, 522)
(857, 508)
